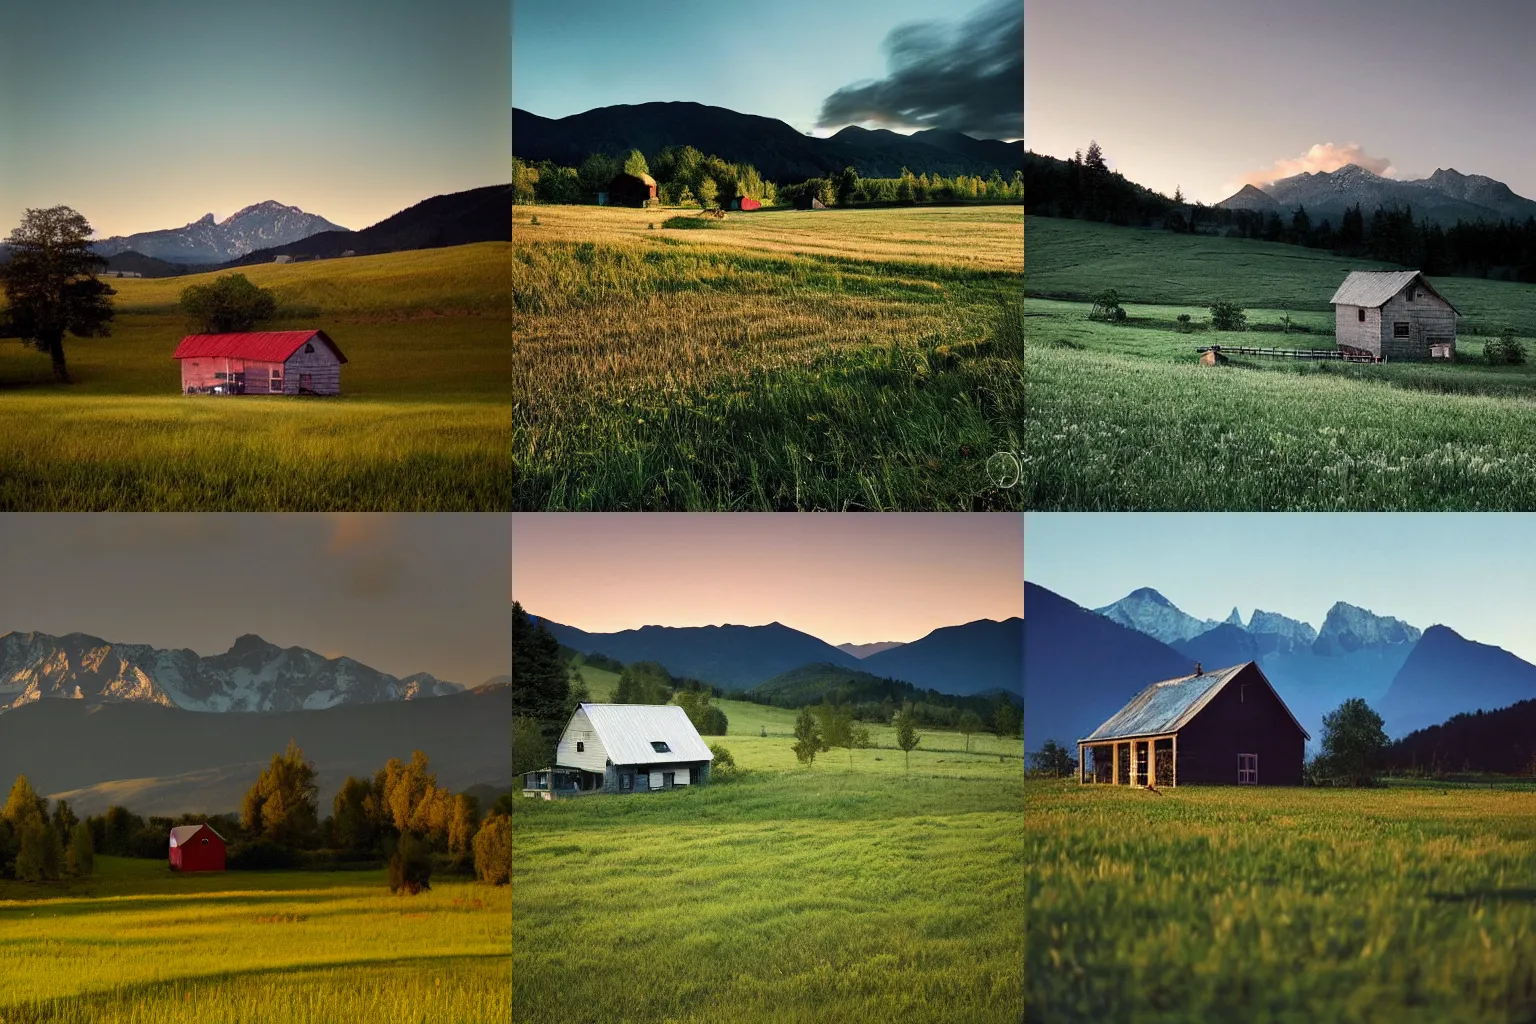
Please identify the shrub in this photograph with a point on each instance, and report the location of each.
(534, 219)
(1107, 307)
(1184, 326)
(259, 855)
(688, 222)
(1228, 316)
(724, 765)
(493, 850)
(230, 303)
(1506, 349)
(410, 869)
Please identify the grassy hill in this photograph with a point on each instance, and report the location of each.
(421, 424)
(291, 946)
(811, 684)
(1121, 417)
(841, 359)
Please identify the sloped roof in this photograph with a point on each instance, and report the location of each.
(181, 833)
(1372, 288)
(267, 346)
(1168, 706)
(646, 178)
(627, 731)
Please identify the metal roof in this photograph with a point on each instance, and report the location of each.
(181, 833)
(1372, 288)
(268, 346)
(1168, 706)
(628, 730)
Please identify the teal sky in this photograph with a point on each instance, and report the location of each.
(148, 115)
(1474, 572)
(782, 61)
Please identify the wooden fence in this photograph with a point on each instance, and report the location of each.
(1289, 353)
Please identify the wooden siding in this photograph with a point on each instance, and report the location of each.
(321, 366)
(650, 778)
(1246, 717)
(1430, 319)
(1349, 330)
(592, 757)
(200, 373)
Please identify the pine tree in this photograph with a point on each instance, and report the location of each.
(540, 680)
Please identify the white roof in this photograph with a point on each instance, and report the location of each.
(181, 833)
(628, 730)
(1372, 288)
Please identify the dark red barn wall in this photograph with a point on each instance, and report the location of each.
(196, 855)
(1245, 718)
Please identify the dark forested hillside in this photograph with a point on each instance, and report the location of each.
(1502, 741)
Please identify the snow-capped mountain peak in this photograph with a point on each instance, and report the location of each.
(208, 240)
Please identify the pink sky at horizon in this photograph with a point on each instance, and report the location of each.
(857, 578)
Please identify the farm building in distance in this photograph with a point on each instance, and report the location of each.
(631, 190)
(1393, 315)
(745, 203)
(1222, 727)
(260, 363)
(809, 202)
(623, 748)
(196, 848)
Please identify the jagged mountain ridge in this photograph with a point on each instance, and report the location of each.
(1147, 611)
(206, 240)
(253, 675)
(1444, 197)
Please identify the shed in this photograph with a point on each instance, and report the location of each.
(745, 203)
(623, 748)
(196, 848)
(809, 201)
(1223, 727)
(1393, 315)
(632, 190)
(260, 363)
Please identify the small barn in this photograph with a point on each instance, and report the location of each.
(196, 848)
(632, 190)
(260, 363)
(1227, 727)
(623, 748)
(745, 203)
(1393, 315)
(809, 201)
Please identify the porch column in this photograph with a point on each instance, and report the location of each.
(1114, 780)
(1082, 766)
(1175, 761)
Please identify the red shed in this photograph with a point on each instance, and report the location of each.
(196, 848)
(260, 363)
(746, 203)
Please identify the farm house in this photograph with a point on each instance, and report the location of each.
(260, 363)
(623, 748)
(1393, 315)
(632, 190)
(1222, 727)
(196, 848)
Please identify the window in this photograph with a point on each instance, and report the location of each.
(626, 783)
(660, 747)
(1400, 329)
(1248, 769)
(580, 747)
(666, 780)
(309, 347)
(1361, 311)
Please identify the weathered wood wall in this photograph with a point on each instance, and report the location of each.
(318, 371)
(1426, 316)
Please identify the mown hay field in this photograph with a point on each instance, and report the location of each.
(139, 944)
(1122, 417)
(786, 895)
(842, 359)
(1408, 903)
(422, 423)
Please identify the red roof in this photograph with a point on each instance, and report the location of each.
(268, 346)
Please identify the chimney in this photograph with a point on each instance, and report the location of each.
(1198, 670)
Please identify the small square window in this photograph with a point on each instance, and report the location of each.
(580, 747)
(309, 347)
(660, 747)
(1400, 329)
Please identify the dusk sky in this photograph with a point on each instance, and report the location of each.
(1474, 572)
(897, 62)
(148, 116)
(1208, 94)
(856, 578)
(402, 593)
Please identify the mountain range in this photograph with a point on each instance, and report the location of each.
(206, 240)
(1081, 665)
(253, 675)
(973, 658)
(865, 650)
(1444, 197)
(778, 151)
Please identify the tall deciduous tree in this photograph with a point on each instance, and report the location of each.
(230, 303)
(634, 163)
(50, 283)
(808, 740)
(969, 724)
(1353, 742)
(907, 738)
(282, 804)
(1007, 719)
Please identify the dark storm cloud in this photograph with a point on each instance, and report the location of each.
(967, 78)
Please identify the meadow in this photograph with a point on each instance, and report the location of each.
(843, 359)
(138, 944)
(1406, 903)
(422, 423)
(788, 894)
(1122, 417)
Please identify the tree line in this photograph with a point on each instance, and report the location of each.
(848, 188)
(821, 727)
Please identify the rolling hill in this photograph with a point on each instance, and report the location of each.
(778, 151)
(1447, 675)
(976, 657)
(812, 684)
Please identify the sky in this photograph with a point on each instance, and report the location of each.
(148, 116)
(402, 593)
(1208, 94)
(856, 578)
(899, 64)
(1473, 572)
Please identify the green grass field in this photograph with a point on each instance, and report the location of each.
(422, 423)
(1121, 417)
(1408, 903)
(850, 359)
(788, 895)
(138, 944)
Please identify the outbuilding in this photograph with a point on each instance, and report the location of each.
(196, 848)
(809, 201)
(1393, 315)
(260, 363)
(745, 203)
(632, 190)
(623, 748)
(1227, 727)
